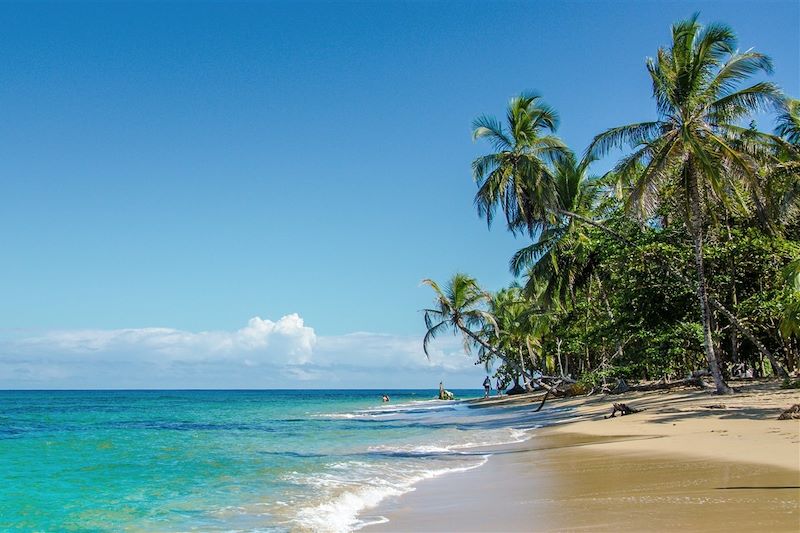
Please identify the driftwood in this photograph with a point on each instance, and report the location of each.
(559, 378)
(623, 409)
(546, 394)
(622, 386)
(792, 413)
(553, 389)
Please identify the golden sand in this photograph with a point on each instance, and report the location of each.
(677, 465)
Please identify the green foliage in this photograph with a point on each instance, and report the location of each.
(789, 383)
(610, 279)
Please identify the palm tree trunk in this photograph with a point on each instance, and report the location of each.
(469, 333)
(486, 345)
(732, 334)
(530, 351)
(558, 354)
(776, 367)
(610, 314)
(695, 225)
(747, 332)
(705, 317)
(526, 382)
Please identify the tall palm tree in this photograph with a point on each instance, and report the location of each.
(460, 308)
(516, 176)
(690, 149)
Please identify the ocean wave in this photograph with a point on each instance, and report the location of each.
(407, 408)
(484, 439)
(341, 511)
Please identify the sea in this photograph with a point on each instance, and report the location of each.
(243, 460)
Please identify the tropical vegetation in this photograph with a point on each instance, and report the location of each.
(684, 257)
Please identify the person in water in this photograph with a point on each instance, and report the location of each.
(487, 387)
(385, 398)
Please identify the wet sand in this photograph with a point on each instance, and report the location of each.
(678, 465)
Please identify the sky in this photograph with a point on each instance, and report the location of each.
(225, 195)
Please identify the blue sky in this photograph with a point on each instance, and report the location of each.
(191, 166)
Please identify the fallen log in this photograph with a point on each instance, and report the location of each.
(623, 409)
(560, 378)
(546, 394)
(792, 413)
(622, 386)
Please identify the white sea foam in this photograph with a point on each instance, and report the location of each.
(453, 438)
(399, 409)
(513, 436)
(411, 449)
(482, 439)
(339, 415)
(341, 513)
(350, 488)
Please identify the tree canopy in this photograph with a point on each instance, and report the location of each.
(684, 257)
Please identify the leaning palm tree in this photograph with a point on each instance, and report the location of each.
(516, 176)
(690, 149)
(460, 308)
(560, 259)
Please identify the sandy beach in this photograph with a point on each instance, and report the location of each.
(678, 464)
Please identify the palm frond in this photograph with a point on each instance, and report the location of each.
(632, 135)
(762, 96)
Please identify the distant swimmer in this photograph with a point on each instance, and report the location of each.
(385, 398)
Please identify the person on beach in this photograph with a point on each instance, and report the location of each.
(500, 387)
(487, 386)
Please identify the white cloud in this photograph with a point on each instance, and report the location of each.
(288, 339)
(262, 354)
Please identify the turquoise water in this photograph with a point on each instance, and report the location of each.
(227, 460)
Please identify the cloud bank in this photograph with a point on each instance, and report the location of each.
(262, 354)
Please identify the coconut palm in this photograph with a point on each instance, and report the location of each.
(516, 331)
(516, 176)
(790, 322)
(559, 261)
(691, 150)
(788, 122)
(460, 308)
(780, 199)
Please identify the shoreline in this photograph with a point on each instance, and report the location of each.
(652, 470)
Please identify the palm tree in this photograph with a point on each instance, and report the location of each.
(560, 259)
(515, 318)
(691, 150)
(788, 122)
(516, 176)
(779, 200)
(790, 322)
(563, 260)
(460, 308)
